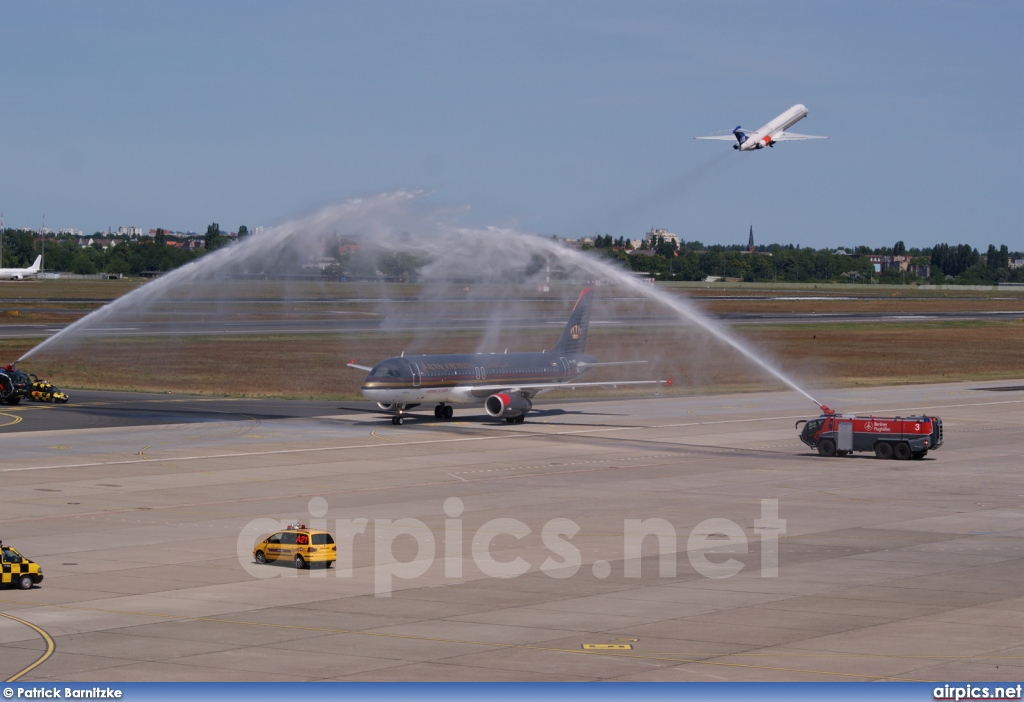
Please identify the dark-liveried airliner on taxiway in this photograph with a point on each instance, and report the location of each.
(504, 383)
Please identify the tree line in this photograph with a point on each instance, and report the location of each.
(129, 257)
(662, 259)
(666, 260)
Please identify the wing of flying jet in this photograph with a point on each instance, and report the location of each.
(729, 135)
(790, 136)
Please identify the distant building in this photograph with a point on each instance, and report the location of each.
(129, 232)
(1017, 263)
(86, 242)
(653, 235)
(899, 263)
(751, 248)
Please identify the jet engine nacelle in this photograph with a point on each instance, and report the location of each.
(394, 406)
(503, 405)
(17, 277)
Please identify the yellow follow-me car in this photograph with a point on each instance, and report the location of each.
(18, 570)
(297, 544)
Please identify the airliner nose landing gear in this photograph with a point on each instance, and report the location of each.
(397, 419)
(443, 411)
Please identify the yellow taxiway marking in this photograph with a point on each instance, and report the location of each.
(50, 646)
(607, 647)
(667, 657)
(14, 419)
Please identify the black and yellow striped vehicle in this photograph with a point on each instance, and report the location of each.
(15, 569)
(43, 391)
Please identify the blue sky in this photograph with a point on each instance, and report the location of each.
(567, 118)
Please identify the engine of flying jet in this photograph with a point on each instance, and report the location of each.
(766, 141)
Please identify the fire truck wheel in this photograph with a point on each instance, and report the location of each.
(901, 452)
(826, 447)
(883, 450)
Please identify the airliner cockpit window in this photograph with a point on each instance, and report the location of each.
(387, 370)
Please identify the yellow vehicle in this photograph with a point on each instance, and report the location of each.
(43, 391)
(302, 546)
(18, 570)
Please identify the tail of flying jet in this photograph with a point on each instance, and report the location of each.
(740, 135)
(574, 336)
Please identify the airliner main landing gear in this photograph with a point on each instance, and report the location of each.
(443, 411)
(397, 419)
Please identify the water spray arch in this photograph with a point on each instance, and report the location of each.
(397, 221)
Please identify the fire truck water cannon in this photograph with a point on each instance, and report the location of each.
(901, 438)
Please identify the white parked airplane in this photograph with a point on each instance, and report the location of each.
(767, 135)
(19, 273)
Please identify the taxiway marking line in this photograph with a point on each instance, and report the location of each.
(14, 419)
(669, 658)
(498, 437)
(50, 647)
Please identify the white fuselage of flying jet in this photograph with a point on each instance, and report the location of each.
(765, 135)
(769, 134)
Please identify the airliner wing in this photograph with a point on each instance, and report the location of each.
(538, 388)
(728, 135)
(790, 136)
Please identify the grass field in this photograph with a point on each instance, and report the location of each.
(313, 366)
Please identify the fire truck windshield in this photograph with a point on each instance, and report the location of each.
(812, 427)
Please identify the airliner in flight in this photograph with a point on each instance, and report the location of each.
(504, 383)
(20, 273)
(769, 134)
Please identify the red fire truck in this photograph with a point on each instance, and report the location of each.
(889, 437)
